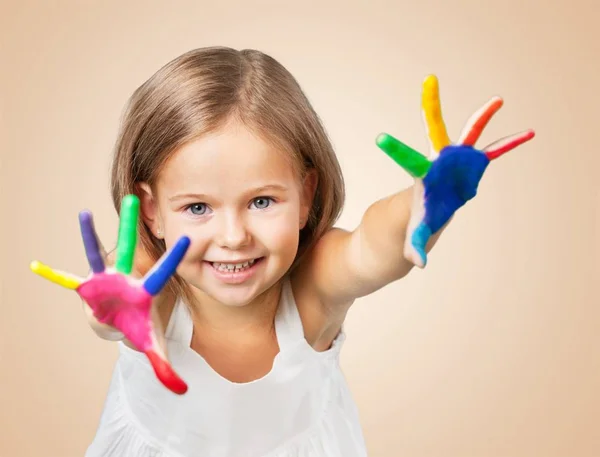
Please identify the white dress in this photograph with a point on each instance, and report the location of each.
(301, 408)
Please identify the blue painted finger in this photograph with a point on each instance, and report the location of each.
(419, 240)
(160, 275)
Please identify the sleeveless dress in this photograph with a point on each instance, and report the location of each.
(301, 408)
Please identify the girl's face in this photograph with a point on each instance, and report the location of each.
(239, 200)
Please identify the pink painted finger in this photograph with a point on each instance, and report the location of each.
(165, 373)
(139, 326)
(506, 144)
(478, 121)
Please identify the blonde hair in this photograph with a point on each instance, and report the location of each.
(198, 92)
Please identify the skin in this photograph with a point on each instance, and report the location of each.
(237, 197)
(207, 192)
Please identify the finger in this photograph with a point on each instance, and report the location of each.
(166, 267)
(419, 239)
(130, 207)
(432, 114)
(61, 278)
(159, 361)
(138, 327)
(477, 122)
(165, 372)
(506, 144)
(415, 163)
(90, 242)
(417, 233)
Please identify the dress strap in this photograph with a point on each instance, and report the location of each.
(181, 326)
(288, 324)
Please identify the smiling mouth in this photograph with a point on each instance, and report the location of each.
(235, 267)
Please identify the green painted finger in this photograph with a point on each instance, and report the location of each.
(415, 163)
(130, 208)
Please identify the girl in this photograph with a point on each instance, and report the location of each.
(222, 147)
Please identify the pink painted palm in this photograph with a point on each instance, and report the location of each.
(118, 299)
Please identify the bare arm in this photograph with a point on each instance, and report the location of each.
(347, 265)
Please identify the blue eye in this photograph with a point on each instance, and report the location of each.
(197, 209)
(262, 202)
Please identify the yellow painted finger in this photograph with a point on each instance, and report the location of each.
(432, 112)
(58, 277)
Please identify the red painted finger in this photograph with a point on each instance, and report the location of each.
(506, 144)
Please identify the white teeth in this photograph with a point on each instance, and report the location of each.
(232, 266)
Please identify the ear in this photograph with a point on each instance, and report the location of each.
(149, 211)
(309, 187)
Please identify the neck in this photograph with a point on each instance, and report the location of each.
(211, 315)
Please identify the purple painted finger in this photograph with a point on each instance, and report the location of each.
(90, 242)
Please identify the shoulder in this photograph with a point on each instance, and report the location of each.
(321, 320)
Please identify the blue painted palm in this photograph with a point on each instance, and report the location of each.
(449, 177)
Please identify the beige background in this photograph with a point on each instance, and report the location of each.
(493, 350)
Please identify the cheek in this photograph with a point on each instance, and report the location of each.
(198, 247)
(196, 250)
(177, 225)
(279, 236)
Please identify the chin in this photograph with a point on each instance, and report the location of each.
(233, 301)
(234, 296)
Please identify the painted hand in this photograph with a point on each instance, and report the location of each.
(450, 176)
(115, 297)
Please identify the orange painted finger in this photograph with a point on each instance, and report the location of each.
(477, 123)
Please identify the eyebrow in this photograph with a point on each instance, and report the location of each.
(256, 190)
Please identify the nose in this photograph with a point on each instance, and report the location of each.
(232, 232)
